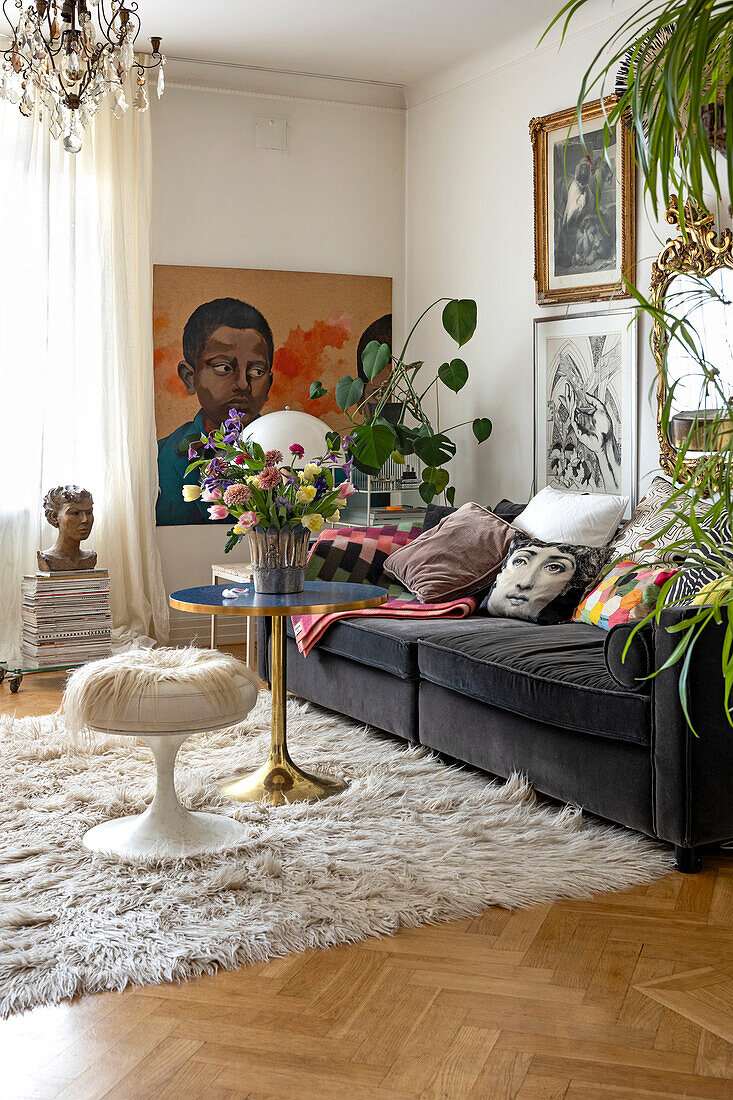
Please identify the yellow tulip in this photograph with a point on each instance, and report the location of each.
(313, 522)
(191, 493)
(311, 471)
(305, 494)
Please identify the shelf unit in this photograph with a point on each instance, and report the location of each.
(392, 488)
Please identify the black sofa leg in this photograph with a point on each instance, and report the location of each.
(687, 860)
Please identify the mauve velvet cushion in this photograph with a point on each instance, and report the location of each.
(460, 556)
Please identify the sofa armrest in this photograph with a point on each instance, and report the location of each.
(692, 798)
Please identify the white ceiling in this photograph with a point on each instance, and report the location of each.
(398, 41)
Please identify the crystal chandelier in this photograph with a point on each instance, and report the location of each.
(61, 63)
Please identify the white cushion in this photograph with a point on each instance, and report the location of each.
(583, 519)
(160, 691)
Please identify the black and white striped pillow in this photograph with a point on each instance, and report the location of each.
(693, 575)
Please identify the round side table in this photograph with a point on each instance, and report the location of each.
(279, 780)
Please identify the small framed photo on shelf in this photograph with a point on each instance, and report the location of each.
(585, 402)
(584, 219)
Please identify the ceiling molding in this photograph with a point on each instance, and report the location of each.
(354, 106)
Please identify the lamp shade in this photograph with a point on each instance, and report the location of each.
(277, 430)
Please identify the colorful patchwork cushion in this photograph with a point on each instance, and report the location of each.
(626, 594)
(358, 554)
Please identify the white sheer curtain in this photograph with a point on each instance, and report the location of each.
(77, 358)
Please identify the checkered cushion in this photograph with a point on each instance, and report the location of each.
(358, 554)
(627, 593)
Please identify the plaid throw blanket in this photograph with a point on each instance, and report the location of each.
(358, 554)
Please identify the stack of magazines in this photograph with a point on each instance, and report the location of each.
(66, 617)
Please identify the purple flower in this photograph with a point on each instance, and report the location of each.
(193, 453)
(283, 502)
(348, 467)
(321, 486)
(348, 440)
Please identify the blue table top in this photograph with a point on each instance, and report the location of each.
(316, 598)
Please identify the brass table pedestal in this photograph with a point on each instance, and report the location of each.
(279, 780)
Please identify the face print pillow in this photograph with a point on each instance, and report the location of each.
(543, 582)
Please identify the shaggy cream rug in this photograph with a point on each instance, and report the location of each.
(410, 842)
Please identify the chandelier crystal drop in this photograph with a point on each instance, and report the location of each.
(64, 66)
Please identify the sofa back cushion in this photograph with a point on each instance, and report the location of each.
(458, 557)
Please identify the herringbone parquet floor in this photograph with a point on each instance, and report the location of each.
(625, 995)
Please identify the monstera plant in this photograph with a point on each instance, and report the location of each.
(388, 414)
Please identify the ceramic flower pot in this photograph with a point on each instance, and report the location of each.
(279, 557)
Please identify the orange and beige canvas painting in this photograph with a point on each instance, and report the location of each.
(251, 340)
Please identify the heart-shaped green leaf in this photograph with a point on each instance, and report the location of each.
(317, 390)
(437, 476)
(482, 428)
(375, 358)
(372, 446)
(427, 491)
(435, 449)
(333, 441)
(406, 437)
(348, 391)
(459, 320)
(450, 495)
(454, 375)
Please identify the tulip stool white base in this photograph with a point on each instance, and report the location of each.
(166, 828)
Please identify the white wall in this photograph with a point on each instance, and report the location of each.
(470, 233)
(334, 202)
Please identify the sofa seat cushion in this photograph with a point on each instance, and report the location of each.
(554, 674)
(386, 644)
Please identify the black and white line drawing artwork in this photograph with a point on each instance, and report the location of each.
(584, 401)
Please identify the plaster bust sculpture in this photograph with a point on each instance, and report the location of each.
(71, 510)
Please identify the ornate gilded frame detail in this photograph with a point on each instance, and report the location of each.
(539, 128)
(698, 250)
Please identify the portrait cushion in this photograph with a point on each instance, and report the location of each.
(627, 593)
(543, 582)
(458, 557)
(645, 537)
(581, 519)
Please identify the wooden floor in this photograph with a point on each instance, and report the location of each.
(626, 995)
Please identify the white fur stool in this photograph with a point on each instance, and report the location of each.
(161, 696)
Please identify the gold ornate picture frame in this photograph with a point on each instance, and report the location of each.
(697, 253)
(584, 212)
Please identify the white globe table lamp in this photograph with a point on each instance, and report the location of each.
(277, 430)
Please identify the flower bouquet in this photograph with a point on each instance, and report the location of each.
(271, 500)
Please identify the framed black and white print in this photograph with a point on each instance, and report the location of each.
(585, 395)
(583, 207)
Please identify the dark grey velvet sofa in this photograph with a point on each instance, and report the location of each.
(555, 703)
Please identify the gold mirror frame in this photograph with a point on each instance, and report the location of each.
(698, 250)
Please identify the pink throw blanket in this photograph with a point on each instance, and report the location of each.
(309, 629)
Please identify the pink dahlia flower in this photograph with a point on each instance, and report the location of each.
(269, 478)
(218, 511)
(273, 457)
(237, 494)
(346, 489)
